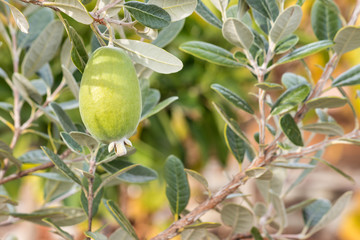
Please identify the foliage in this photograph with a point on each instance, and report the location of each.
(261, 36)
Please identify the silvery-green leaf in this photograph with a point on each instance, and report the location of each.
(19, 18)
(286, 23)
(65, 55)
(286, 44)
(263, 22)
(46, 74)
(4, 34)
(333, 213)
(53, 176)
(326, 102)
(147, 33)
(348, 177)
(37, 21)
(237, 33)
(239, 218)
(68, 105)
(84, 139)
(150, 56)
(347, 39)
(280, 209)
(168, 33)
(6, 106)
(325, 19)
(242, 8)
(73, 8)
(261, 173)
(203, 225)
(198, 177)
(65, 235)
(290, 80)
(207, 15)
(71, 143)
(267, 86)
(315, 211)
(95, 235)
(150, 97)
(63, 118)
(26, 89)
(293, 165)
(348, 78)
(163, 104)
(177, 9)
(221, 5)
(267, 8)
(210, 53)
(299, 205)
(40, 86)
(196, 234)
(43, 49)
(34, 157)
(305, 51)
(149, 15)
(120, 234)
(327, 128)
(6, 152)
(235, 144)
(71, 82)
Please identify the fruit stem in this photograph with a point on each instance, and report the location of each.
(111, 35)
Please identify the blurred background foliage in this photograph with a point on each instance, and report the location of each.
(190, 129)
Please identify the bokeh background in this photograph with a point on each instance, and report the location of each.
(192, 130)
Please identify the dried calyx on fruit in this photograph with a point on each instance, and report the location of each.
(110, 98)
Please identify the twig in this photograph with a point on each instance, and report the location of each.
(34, 169)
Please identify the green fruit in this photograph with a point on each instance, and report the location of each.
(110, 97)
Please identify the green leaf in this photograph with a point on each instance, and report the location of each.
(71, 143)
(290, 98)
(210, 53)
(138, 174)
(61, 216)
(293, 165)
(46, 74)
(53, 176)
(267, 8)
(111, 177)
(202, 225)
(300, 205)
(325, 19)
(61, 165)
(315, 211)
(326, 102)
(235, 144)
(149, 15)
(34, 157)
(79, 55)
(302, 176)
(85, 139)
(150, 97)
(37, 22)
(286, 44)
(221, 5)
(335, 169)
(198, 177)
(6, 152)
(239, 218)
(256, 233)
(286, 23)
(168, 33)
(327, 128)
(305, 51)
(43, 49)
(177, 186)
(6, 106)
(73, 8)
(347, 39)
(196, 234)
(267, 86)
(120, 217)
(261, 173)
(232, 98)
(95, 235)
(290, 80)
(291, 130)
(120, 234)
(279, 206)
(63, 118)
(160, 106)
(334, 212)
(237, 33)
(150, 56)
(26, 89)
(19, 18)
(263, 22)
(176, 9)
(207, 15)
(97, 198)
(348, 78)
(65, 235)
